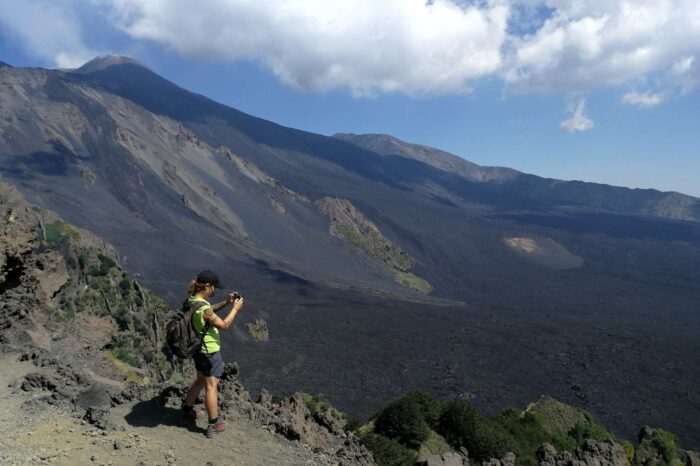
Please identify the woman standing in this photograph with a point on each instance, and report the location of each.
(208, 360)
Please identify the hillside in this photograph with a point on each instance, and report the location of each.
(83, 363)
(424, 274)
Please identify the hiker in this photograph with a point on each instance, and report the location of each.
(208, 360)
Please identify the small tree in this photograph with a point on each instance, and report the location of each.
(429, 407)
(403, 421)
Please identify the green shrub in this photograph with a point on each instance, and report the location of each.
(462, 426)
(589, 430)
(320, 404)
(658, 449)
(123, 354)
(125, 285)
(429, 407)
(106, 264)
(404, 422)
(526, 432)
(57, 233)
(388, 452)
(667, 444)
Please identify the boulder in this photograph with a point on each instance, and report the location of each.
(592, 453)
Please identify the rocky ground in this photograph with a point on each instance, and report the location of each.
(39, 426)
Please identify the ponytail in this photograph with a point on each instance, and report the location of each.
(196, 287)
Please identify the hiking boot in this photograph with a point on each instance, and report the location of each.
(191, 414)
(212, 429)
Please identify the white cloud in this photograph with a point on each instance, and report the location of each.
(369, 46)
(579, 121)
(410, 46)
(646, 99)
(591, 44)
(47, 29)
(685, 75)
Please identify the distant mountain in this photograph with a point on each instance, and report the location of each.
(389, 145)
(2, 63)
(563, 193)
(410, 259)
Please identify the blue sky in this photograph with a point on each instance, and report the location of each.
(591, 90)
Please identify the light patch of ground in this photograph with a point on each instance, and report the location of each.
(527, 245)
(544, 251)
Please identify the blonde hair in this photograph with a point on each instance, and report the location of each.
(196, 287)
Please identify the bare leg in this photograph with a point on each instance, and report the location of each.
(195, 389)
(211, 397)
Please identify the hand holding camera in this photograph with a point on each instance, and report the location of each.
(236, 299)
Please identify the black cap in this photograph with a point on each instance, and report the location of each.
(207, 276)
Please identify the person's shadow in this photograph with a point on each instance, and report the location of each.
(154, 413)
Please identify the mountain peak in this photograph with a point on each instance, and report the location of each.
(103, 62)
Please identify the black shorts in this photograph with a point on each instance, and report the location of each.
(211, 365)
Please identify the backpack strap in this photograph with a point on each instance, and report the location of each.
(194, 307)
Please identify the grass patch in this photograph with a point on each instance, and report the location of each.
(126, 368)
(57, 233)
(412, 281)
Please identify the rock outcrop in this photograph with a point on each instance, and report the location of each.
(359, 232)
(592, 453)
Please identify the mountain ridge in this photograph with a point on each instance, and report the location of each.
(670, 205)
(266, 132)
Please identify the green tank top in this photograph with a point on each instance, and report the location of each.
(212, 341)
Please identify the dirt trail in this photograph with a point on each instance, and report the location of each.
(151, 435)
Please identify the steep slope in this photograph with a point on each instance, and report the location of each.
(130, 173)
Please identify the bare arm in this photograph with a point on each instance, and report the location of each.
(226, 322)
(217, 306)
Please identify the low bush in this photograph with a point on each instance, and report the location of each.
(589, 430)
(660, 448)
(404, 422)
(526, 432)
(462, 426)
(388, 452)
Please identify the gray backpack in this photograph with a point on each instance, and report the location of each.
(183, 339)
